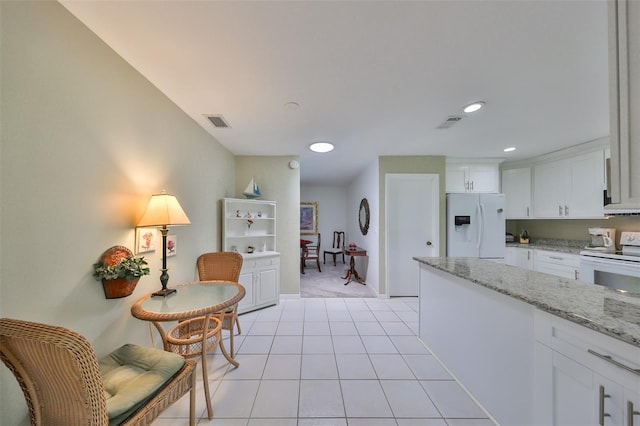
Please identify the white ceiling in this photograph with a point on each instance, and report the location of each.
(373, 77)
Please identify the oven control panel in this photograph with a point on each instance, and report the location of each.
(630, 242)
(630, 239)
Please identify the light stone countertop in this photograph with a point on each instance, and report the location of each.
(559, 246)
(596, 307)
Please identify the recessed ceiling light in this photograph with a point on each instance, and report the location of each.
(321, 147)
(473, 107)
(510, 149)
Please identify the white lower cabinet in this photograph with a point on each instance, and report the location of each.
(564, 265)
(560, 264)
(520, 257)
(260, 276)
(578, 381)
(572, 385)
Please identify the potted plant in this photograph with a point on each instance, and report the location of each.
(119, 272)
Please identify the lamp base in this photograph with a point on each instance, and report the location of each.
(165, 292)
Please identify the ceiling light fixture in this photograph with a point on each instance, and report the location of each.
(473, 107)
(510, 149)
(321, 147)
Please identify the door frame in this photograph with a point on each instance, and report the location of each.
(434, 178)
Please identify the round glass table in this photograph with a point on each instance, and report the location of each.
(192, 300)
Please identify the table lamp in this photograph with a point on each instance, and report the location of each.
(164, 210)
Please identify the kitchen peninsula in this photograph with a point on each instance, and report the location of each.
(533, 348)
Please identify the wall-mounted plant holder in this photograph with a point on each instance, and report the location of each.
(120, 287)
(119, 271)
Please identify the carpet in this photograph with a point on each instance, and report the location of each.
(329, 283)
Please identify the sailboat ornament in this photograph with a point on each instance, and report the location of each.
(252, 190)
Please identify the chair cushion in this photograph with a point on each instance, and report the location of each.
(134, 374)
(333, 250)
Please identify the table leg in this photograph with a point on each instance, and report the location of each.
(226, 354)
(303, 252)
(352, 273)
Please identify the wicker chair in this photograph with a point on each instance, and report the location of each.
(336, 248)
(222, 266)
(62, 381)
(194, 338)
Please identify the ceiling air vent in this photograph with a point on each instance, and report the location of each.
(450, 121)
(218, 121)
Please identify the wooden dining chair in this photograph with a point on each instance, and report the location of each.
(313, 252)
(64, 383)
(336, 248)
(223, 266)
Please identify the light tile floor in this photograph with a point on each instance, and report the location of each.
(331, 362)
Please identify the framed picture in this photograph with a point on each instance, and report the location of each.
(146, 239)
(172, 242)
(308, 218)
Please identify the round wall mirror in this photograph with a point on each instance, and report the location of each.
(363, 216)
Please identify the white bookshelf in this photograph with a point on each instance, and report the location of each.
(260, 273)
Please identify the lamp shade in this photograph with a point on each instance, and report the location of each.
(164, 209)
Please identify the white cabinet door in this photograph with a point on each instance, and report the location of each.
(587, 186)
(524, 258)
(247, 281)
(624, 102)
(267, 291)
(510, 256)
(608, 401)
(572, 392)
(560, 264)
(456, 178)
(472, 178)
(550, 189)
(570, 188)
(632, 406)
(483, 178)
(516, 186)
(520, 257)
(260, 276)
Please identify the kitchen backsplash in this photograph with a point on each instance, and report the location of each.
(571, 229)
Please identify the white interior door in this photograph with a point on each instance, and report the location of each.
(412, 228)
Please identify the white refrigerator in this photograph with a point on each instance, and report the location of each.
(476, 225)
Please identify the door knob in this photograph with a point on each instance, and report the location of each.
(429, 243)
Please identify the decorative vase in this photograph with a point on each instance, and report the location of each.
(120, 287)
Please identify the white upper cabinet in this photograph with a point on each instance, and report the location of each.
(587, 185)
(624, 89)
(570, 188)
(516, 186)
(465, 177)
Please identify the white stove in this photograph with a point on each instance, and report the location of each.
(619, 270)
(629, 252)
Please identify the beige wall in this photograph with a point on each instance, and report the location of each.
(278, 182)
(409, 164)
(85, 141)
(572, 229)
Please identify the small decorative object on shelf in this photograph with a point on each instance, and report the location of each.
(119, 271)
(249, 223)
(252, 190)
(250, 249)
(524, 237)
